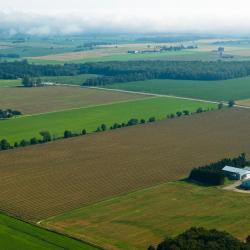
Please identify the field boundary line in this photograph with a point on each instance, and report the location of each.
(86, 107)
(151, 94)
(169, 96)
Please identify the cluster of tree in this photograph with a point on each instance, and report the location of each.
(177, 48)
(69, 134)
(203, 239)
(131, 122)
(11, 55)
(20, 69)
(212, 174)
(8, 113)
(131, 70)
(115, 72)
(31, 82)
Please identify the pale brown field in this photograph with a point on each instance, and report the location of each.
(244, 102)
(49, 99)
(100, 51)
(46, 180)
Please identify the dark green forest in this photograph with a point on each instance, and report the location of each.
(112, 72)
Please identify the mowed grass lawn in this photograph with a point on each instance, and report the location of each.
(235, 89)
(136, 220)
(16, 234)
(90, 118)
(57, 98)
(10, 83)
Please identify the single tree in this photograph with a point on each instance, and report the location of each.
(220, 105)
(103, 127)
(231, 103)
(151, 119)
(33, 141)
(67, 134)
(179, 113)
(46, 136)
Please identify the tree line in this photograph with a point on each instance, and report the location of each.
(120, 72)
(203, 239)
(10, 55)
(213, 174)
(8, 113)
(47, 137)
(130, 70)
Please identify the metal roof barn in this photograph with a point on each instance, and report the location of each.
(238, 173)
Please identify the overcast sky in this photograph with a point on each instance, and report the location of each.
(73, 16)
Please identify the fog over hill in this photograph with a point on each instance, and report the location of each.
(79, 16)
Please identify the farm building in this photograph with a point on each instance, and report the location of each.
(237, 173)
(133, 52)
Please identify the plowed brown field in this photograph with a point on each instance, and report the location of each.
(45, 180)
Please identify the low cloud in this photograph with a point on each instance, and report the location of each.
(172, 20)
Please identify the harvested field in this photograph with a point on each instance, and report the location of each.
(45, 180)
(244, 102)
(49, 99)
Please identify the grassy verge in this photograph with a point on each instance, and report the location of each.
(16, 234)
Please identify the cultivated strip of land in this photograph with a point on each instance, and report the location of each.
(16, 234)
(49, 99)
(46, 180)
(223, 90)
(90, 118)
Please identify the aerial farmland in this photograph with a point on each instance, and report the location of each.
(118, 141)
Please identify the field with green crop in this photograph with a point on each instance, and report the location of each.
(10, 83)
(235, 89)
(16, 234)
(136, 220)
(72, 80)
(90, 118)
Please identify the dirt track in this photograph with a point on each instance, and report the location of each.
(45, 180)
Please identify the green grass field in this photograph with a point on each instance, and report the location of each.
(90, 118)
(16, 234)
(10, 83)
(235, 89)
(136, 220)
(72, 80)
